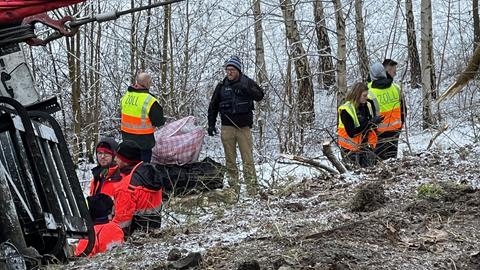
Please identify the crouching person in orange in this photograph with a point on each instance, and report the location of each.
(356, 127)
(106, 175)
(140, 191)
(107, 233)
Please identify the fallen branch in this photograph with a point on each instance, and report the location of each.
(327, 151)
(310, 162)
(439, 132)
(467, 75)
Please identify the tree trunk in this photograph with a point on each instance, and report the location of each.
(88, 131)
(427, 62)
(143, 65)
(342, 52)
(361, 44)
(260, 70)
(476, 24)
(133, 45)
(414, 59)
(305, 98)
(166, 23)
(97, 84)
(186, 63)
(326, 72)
(174, 98)
(74, 72)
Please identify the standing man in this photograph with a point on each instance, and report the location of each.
(141, 113)
(233, 98)
(387, 98)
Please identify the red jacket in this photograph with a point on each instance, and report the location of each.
(139, 192)
(105, 181)
(107, 236)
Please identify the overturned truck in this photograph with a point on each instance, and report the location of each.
(41, 201)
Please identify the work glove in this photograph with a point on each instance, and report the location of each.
(212, 131)
(377, 119)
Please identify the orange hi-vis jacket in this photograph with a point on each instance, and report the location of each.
(106, 184)
(135, 108)
(131, 199)
(387, 104)
(354, 144)
(107, 236)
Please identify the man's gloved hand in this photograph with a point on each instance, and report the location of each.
(212, 131)
(377, 119)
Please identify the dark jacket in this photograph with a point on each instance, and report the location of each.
(249, 89)
(386, 83)
(146, 141)
(364, 118)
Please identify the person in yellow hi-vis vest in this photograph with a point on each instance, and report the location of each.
(141, 113)
(357, 121)
(388, 101)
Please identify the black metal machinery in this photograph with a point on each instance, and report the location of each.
(41, 201)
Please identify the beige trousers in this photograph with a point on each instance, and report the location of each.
(231, 136)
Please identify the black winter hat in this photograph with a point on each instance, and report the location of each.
(100, 206)
(107, 144)
(129, 151)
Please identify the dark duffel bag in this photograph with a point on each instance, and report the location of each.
(191, 178)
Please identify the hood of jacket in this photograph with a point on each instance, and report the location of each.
(146, 175)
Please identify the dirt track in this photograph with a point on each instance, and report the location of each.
(311, 225)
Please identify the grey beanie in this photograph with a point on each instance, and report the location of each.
(377, 72)
(235, 62)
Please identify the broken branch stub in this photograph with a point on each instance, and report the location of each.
(327, 151)
(310, 162)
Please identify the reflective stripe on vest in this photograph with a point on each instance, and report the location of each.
(345, 141)
(135, 109)
(387, 104)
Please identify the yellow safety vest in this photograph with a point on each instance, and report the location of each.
(135, 108)
(347, 142)
(387, 104)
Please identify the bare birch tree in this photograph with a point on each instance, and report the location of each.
(305, 98)
(341, 52)
(427, 62)
(326, 71)
(413, 58)
(361, 44)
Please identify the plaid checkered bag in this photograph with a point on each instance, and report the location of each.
(178, 142)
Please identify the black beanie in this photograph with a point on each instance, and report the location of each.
(100, 206)
(129, 151)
